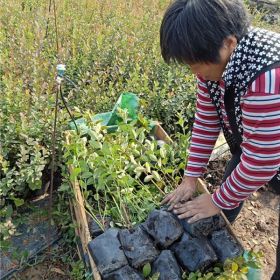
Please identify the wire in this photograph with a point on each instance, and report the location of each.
(66, 107)
(53, 161)
(75, 85)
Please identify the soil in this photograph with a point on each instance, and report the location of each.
(44, 271)
(257, 224)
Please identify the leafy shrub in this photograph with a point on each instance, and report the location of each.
(124, 174)
(108, 47)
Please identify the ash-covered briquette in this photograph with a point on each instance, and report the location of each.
(163, 227)
(225, 245)
(137, 246)
(124, 273)
(107, 253)
(167, 266)
(194, 253)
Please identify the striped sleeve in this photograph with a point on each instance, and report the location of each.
(204, 134)
(260, 159)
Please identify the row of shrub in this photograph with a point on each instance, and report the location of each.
(108, 47)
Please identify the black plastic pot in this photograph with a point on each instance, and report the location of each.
(94, 228)
(163, 227)
(124, 273)
(225, 245)
(138, 247)
(203, 227)
(107, 253)
(194, 253)
(167, 266)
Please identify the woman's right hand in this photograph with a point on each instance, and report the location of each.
(182, 193)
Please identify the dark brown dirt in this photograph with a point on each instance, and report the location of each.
(257, 225)
(50, 265)
(44, 271)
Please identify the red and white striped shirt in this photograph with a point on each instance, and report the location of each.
(260, 159)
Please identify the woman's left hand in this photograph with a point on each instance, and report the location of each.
(197, 209)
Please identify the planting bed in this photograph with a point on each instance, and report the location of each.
(172, 248)
(161, 241)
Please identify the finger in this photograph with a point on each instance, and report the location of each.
(167, 198)
(187, 214)
(187, 205)
(192, 204)
(181, 208)
(179, 205)
(179, 211)
(171, 207)
(173, 202)
(176, 199)
(186, 196)
(195, 218)
(185, 208)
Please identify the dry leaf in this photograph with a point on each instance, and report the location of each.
(57, 270)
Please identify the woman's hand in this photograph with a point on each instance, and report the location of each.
(197, 209)
(182, 193)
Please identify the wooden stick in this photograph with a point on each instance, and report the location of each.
(81, 220)
(201, 185)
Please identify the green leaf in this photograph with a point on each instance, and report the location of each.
(156, 175)
(86, 175)
(155, 276)
(162, 152)
(148, 178)
(64, 187)
(18, 201)
(217, 269)
(5, 245)
(252, 264)
(76, 172)
(139, 169)
(148, 167)
(141, 137)
(208, 276)
(234, 266)
(168, 171)
(90, 181)
(244, 270)
(153, 157)
(9, 211)
(147, 270)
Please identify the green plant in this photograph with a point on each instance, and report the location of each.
(124, 174)
(100, 69)
(233, 269)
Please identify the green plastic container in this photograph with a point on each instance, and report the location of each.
(128, 101)
(254, 273)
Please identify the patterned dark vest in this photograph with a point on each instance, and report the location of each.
(256, 53)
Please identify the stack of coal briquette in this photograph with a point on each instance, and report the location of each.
(170, 245)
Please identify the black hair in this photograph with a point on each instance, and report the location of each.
(193, 31)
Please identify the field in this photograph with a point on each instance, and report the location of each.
(108, 47)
